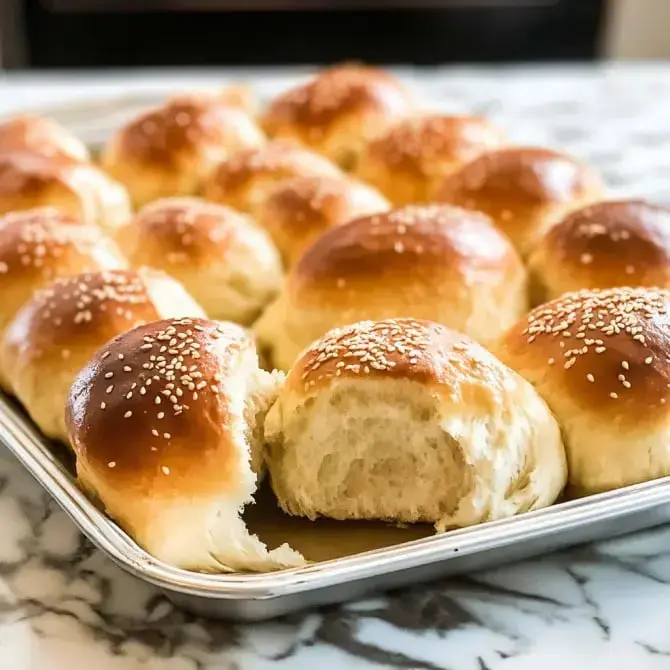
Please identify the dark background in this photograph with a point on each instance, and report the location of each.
(115, 33)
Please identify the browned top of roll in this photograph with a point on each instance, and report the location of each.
(40, 135)
(187, 229)
(519, 176)
(49, 243)
(183, 125)
(611, 243)
(162, 386)
(607, 350)
(409, 349)
(277, 160)
(430, 242)
(421, 145)
(345, 90)
(302, 208)
(94, 306)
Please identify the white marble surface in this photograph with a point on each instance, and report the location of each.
(63, 606)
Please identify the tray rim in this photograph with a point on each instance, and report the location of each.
(33, 451)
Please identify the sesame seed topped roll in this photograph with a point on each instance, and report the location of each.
(40, 135)
(246, 180)
(525, 190)
(337, 112)
(29, 180)
(57, 332)
(224, 260)
(170, 150)
(190, 400)
(601, 361)
(432, 262)
(300, 210)
(40, 245)
(408, 162)
(607, 244)
(409, 421)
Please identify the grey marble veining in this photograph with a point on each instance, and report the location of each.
(63, 606)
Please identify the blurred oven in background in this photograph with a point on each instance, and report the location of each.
(121, 33)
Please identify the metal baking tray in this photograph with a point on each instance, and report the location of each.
(409, 555)
(253, 597)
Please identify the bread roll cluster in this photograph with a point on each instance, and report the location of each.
(385, 312)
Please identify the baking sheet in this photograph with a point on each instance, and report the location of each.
(352, 558)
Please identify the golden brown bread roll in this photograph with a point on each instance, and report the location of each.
(409, 421)
(57, 332)
(40, 135)
(29, 180)
(170, 150)
(339, 111)
(247, 179)
(614, 243)
(224, 260)
(301, 209)
(409, 161)
(432, 262)
(189, 399)
(525, 190)
(40, 245)
(600, 361)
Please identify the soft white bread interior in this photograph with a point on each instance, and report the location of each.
(409, 421)
(57, 332)
(166, 422)
(227, 263)
(601, 361)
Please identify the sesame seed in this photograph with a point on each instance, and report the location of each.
(109, 375)
(614, 395)
(127, 368)
(155, 432)
(165, 469)
(590, 378)
(649, 360)
(120, 357)
(103, 405)
(105, 355)
(161, 415)
(551, 361)
(111, 464)
(128, 414)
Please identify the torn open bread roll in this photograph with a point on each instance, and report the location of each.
(166, 422)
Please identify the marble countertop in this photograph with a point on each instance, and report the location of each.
(63, 606)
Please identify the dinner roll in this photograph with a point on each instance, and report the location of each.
(40, 135)
(617, 243)
(189, 400)
(30, 180)
(409, 161)
(431, 262)
(246, 180)
(56, 333)
(409, 421)
(524, 190)
(40, 245)
(301, 209)
(339, 110)
(599, 358)
(170, 150)
(224, 260)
